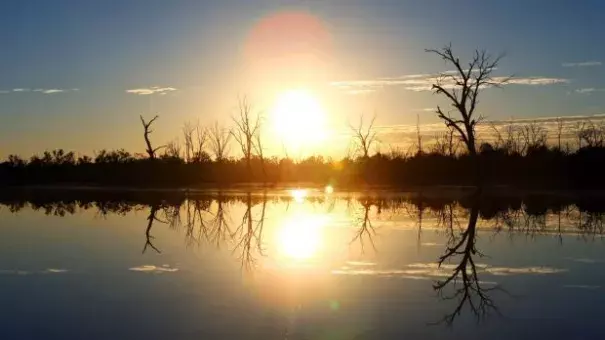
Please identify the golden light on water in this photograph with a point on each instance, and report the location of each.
(329, 189)
(300, 236)
(299, 195)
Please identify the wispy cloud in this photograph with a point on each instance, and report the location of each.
(431, 244)
(586, 260)
(39, 90)
(424, 82)
(361, 263)
(582, 64)
(151, 90)
(506, 271)
(31, 272)
(49, 91)
(589, 90)
(149, 268)
(425, 109)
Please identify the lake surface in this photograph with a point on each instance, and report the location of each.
(301, 264)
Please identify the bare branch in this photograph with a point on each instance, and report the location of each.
(466, 85)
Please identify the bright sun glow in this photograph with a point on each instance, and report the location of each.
(300, 236)
(299, 120)
(298, 194)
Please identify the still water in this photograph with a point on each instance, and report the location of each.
(301, 264)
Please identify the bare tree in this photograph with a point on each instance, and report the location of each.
(195, 141)
(418, 135)
(462, 88)
(592, 135)
(364, 138)
(173, 149)
(188, 130)
(202, 137)
(219, 141)
(445, 143)
(146, 126)
(246, 129)
(258, 146)
(559, 131)
(579, 131)
(534, 136)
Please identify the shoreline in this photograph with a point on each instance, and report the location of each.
(312, 190)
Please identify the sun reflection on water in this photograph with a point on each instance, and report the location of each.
(300, 236)
(298, 195)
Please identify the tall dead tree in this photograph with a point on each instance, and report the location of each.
(195, 140)
(219, 141)
(147, 127)
(559, 131)
(246, 129)
(188, 130)
(364, 138)
(462, 88)
(418, 135)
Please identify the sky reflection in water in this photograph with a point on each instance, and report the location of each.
(302, 264)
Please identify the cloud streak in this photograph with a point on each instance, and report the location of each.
(589, 90)
(39, 90)
(424, 82)
(582, 64)
(152, 269)
(435, 271)
(151, 90)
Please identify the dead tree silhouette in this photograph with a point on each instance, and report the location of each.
(462, 88)
(363, 137)
(147, 131)
(246, 131)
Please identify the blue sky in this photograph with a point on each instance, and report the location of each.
(83, 56)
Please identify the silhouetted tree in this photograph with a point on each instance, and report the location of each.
(462, 89)
(147, 131)
(195, 140)
(364, 138)
(246, 129)
(219, 141)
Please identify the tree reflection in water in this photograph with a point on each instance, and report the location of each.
(463, 284)
(206, 219)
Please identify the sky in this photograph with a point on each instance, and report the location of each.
(77, 74)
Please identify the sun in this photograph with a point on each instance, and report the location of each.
(299, 120)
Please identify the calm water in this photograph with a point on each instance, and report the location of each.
(301, 265)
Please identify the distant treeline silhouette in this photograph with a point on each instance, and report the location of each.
(521, 159)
